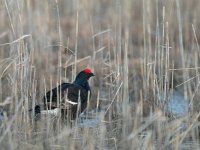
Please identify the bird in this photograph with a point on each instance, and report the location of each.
(68, 95)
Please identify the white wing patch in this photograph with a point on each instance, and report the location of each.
(68, 101)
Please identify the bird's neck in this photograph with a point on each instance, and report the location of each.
(83, 83)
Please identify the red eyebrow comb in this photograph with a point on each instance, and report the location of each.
(87, 70)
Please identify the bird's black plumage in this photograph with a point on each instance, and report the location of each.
(67, 95)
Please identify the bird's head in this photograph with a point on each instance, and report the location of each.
(85, 74)
(88, 73)
(83, 77)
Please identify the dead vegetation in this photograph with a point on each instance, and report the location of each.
(140, 52)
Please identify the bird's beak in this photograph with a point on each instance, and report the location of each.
(92, 74)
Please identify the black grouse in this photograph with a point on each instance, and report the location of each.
(67, 95)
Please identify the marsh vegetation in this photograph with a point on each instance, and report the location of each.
(142, 53)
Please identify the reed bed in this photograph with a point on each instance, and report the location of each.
(140, 51)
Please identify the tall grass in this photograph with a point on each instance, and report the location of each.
(140, 51)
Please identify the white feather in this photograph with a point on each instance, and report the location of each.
(73, 103)
(55, 111)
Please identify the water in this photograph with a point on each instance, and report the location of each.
(89, 119)
(178, 104)
(92, 122)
